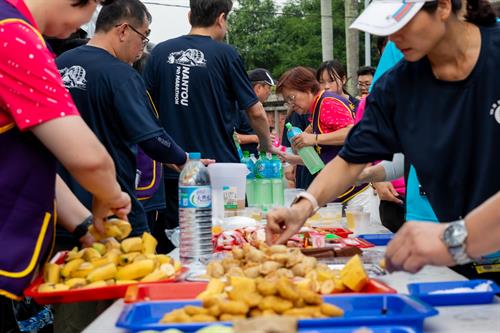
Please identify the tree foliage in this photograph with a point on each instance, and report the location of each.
(281, 39)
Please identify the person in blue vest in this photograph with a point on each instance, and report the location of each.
(443, 116)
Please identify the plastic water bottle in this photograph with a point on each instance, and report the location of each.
(250, 187)
(277, 181)
(195, 214)
(237, 144)
(311, 159)
(263, 189)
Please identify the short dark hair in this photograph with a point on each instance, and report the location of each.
(205, 12)
(478, 12)
(366, 70)
(83, 3)
(132, 11)
(298, 78)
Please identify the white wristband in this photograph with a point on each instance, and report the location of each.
(309, 197)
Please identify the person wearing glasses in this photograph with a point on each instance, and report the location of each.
(331, 121)
(199, 84)
(440, 106)
(365, 78)
(113, 101)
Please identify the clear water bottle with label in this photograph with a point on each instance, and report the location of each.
(309, 156)
(195, 214)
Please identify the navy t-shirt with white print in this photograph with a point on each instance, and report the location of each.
(112, 99)
(198, 86)
(450, 131)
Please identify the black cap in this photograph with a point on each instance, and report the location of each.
(261, 75)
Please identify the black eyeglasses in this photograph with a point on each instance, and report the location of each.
(144, 38)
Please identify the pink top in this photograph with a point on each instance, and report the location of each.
(31, 89)
(399, 184)
(334, 114)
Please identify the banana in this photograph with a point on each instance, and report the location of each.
(136, 270)
(131, 244)
(74, 254)
(51, 287)
(111, 243)
(110, 282)
(122, 282)
(177, 265)
(155, 275)
(105, 272)
(124, 227)
(148, 243)
(75, 283)
(101, 248)
(51, 273)
(164, 259)
(113, 257)
(128, 258)
(90, 254)
(83, 270)
(100, 262)
(140, 257)
(168, 269)
(97, 284)
(70, 267)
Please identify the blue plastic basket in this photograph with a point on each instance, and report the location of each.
(377, 239)
(422, 291)
(359, 310)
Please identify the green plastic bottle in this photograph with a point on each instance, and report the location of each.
(309, 156)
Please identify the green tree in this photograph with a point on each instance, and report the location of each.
(279, 40)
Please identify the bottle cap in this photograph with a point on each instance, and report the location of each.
(288, 125)
(194, 156)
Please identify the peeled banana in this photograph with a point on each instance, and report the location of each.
(148, 243)
(51, 273)
(70, 267)
(132, 244)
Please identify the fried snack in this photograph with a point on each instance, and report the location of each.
(242, 284)
(310, 297)
(284, 272)
(254, 255)
(252, 272)
(203, 318)
(176, 316)
(300, 313)
(276, 304)
(281, 258)
(229, 262)
(278, 249)
(331, 310)
(231, 317)
(238, 253)
(327, 287)
(192, 310)
(287, 289)
(269, 267)
(235, 271)
(214, 310)
(234, 307)
(252, 299)
(266, 287)
(299, 269)
(215, 269)
(255, 313)
(295, 257)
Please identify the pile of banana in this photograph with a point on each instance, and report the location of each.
(110, 262)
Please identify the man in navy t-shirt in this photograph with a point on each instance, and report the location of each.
(198, 84)
(262, 82)
(112, 98)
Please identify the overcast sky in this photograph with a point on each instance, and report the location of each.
(170, 18)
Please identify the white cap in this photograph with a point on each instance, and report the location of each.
(385, 17)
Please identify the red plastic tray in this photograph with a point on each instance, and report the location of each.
(163, 291)
(189, 290)
(80, 295)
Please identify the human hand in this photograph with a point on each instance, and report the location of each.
(304, 140)
(283, 223)
(387, 192)
(87, 240)
(101, 209)
(417, 244)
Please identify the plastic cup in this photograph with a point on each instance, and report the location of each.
(290, 194)
(351, 214)
(228, 181)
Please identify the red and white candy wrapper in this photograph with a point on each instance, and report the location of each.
(227, 239)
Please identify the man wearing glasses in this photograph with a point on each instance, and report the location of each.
(365, 78)
(112, 99)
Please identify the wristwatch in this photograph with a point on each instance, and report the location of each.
(309, 197)
(82, 228)
(454, 237)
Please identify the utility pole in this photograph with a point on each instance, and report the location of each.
(352, 44)
(368, 44)
(326, 30)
